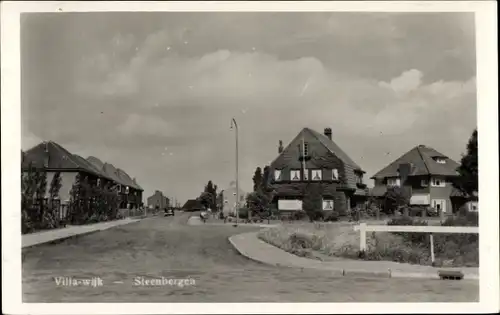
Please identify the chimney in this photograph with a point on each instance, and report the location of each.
(46, 155)
(280, 148)
(404, 171)
(328, 133)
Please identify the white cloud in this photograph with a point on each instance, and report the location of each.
(408, 81)
(271, 96)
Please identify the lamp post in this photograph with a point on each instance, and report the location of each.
(235, 126)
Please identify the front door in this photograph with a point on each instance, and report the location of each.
(439, 205)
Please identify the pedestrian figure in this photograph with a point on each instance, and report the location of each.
(203, 216)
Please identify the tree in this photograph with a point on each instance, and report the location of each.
(266, 176)
(55, 186)
(312, 202)
(208, 197)
(76, 203)
(257, 179)
(41, 185)
(395, 198)
(40, 192)
(258, 202)
(468, 179)
(28, 188)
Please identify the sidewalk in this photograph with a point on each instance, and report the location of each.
(250, 246)
(37, 238)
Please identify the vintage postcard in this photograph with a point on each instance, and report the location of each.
(249, 157)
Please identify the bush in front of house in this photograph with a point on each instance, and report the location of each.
(243, 213)
(91, 204)
(39, 211)
(410, 237)
(298, 215)
(334, 216)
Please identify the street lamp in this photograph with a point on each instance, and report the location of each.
(235, 126)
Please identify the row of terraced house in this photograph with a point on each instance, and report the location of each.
(424, 173)
(52, 158)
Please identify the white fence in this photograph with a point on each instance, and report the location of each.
(363, 228)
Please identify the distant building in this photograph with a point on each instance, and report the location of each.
(427, 176)
(312, 157)
(229, 198)
(193, 205)
(158, 201)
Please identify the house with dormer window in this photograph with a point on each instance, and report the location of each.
(426, 175)
(313, 157)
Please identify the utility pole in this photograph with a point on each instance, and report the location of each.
(233, 123)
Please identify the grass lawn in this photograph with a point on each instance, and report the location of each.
(329, 241)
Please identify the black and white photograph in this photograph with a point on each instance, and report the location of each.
(250, 156)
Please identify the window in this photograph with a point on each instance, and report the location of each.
(98, 182)
(359, 179)
(295, 175)
(440, 160)
(277, 175)
(438, 182)
(328, 204)
(424, 183)
(393, 182)
(316, 174)
(335, 174)
(127, 190)
(306, 174)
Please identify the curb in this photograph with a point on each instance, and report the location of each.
(62, 239)
(74, 236)
(354, 273)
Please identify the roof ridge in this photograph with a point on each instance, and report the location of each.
(288, 146)
(319, 135)
(422, 157)
(64, 151)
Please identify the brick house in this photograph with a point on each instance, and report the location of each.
(130, 192)
(158, 201)
(52, 158)
(315, 157)
(426, 176)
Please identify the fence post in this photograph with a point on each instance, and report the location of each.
(431, 238)
(362, 237)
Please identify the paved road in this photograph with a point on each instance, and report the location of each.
(166, 246)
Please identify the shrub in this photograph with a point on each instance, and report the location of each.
(243, 213)
(463, 219)
(333, 217)
(298, 215)
(410, 237)
(301, 240)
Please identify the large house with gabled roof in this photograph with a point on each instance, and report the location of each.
(427, 177)
(53, 158)
(314, 157)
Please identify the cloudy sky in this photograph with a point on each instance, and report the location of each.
(154, 93)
